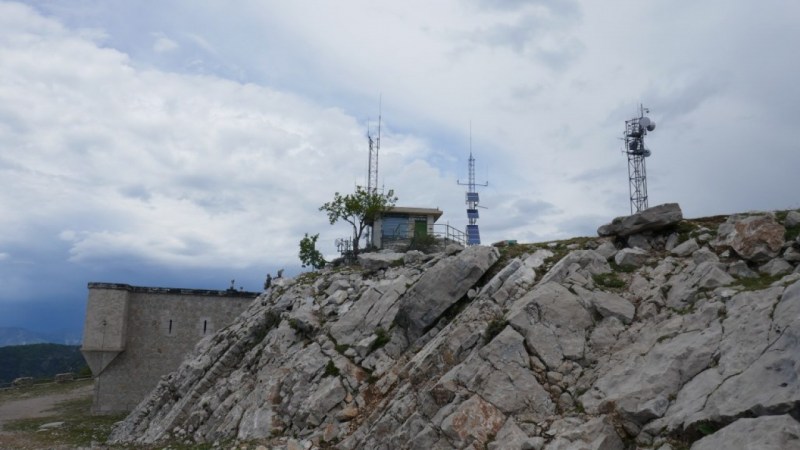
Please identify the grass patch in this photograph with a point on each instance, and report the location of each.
(494, 328)
(755, 284)
(331, 370)
(381, 340)
(608, 280)
(79, 429)
(792, 233)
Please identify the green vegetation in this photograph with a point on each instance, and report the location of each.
(758, 283)
(80, 428)
(309, 255)
(494, 328)
(359, 209)
(792, 233)
(331, 370)
(608, 280)
(381, 340)
(40, 361)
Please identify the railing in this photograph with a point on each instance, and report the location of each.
(448, 233)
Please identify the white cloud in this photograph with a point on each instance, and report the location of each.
(164, 44)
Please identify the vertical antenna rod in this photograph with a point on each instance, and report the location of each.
(372, 164)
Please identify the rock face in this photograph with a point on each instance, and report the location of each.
(756, 238)
(651, 219)
(552, 350)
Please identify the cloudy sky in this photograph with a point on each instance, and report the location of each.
(183, 143)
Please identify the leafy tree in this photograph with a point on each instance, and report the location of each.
(359, 209)
(309, 255)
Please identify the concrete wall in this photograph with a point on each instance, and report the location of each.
(160, 326)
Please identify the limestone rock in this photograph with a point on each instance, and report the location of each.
(441, 286)
(607, 249)
(612, 305)
(686, 248)
(777, 266)
(631, 257)
(739, 269)
(792, 219)
(764, 433)
(655, 218)
(756, 238)
(792, 255)
(582, 262)
(473, 422)
(380, 260)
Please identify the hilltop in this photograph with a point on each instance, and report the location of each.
(660, 333)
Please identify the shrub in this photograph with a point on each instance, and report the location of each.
(610, 280)
(494, 328)
(331, 370)
(381, 340)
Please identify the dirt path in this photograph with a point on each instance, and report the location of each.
(39, 406)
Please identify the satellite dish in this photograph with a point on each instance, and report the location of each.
(644, 122)
(647, 153)
(652, 126)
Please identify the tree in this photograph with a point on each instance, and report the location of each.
(359, 209)
(309, 255)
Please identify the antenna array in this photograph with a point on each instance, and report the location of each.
(635, 131)
(473, 199)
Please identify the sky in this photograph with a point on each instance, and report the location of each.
(186, 144)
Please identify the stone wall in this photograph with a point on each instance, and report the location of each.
(135, 335)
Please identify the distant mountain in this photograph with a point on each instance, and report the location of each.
(22, 336)
(39, 361)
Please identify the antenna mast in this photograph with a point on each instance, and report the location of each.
(635, 131)
(472, 197)
(372, 164)
(374, 149)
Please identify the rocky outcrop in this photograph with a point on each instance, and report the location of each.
(651, 219)
(552, 349)
(756, 238)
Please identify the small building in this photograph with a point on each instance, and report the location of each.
(400, 224)
(134, 335)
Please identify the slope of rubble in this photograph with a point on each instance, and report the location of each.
(661, 333)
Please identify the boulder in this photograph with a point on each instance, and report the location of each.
(583, 262)
(756, 238)
(655, 218)
(612, 305)
(762, 433)
(377, 261)
(792, 219)
(792, 255)
(607, 249)
(685, 248)
(739, 269)
(632, 257)
(777, 266)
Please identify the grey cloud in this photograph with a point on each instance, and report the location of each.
(558, 7)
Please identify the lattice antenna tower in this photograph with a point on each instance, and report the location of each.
(635, 131)
(472, 199)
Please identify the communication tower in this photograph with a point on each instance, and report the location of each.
(635, 131)
(473, 199)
